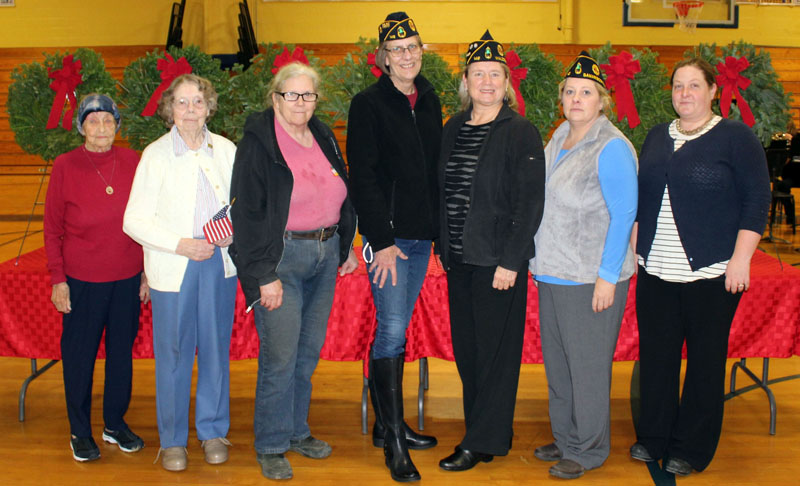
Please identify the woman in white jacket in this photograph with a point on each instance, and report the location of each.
(182, 181)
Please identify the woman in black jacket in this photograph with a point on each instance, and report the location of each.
(293, 226)
(393, 134)
(491, 179)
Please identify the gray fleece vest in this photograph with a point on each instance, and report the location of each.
(571, 237)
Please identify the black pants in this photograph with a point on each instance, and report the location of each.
(700, 313)
(112, 307)
(487, 327)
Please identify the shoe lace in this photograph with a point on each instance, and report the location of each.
(221, 439)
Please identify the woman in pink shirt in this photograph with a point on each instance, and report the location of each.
(294, 226)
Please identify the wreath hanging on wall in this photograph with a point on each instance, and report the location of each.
(247, 89)
(143, 76)
(31, 99)
(653, 102)
(356, 71)
(540, 87)
(758, 96)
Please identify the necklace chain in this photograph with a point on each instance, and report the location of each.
(689, 133)
(109, 189)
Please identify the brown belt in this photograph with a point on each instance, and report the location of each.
(319, 235)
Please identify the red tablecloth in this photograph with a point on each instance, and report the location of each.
(766, 324)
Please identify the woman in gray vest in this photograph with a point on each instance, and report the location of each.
(583, 265)
(491, 178)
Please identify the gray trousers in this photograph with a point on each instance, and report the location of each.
(578, 349)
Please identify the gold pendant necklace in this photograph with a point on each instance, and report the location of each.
(109, 189)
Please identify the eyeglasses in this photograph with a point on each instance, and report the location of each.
(398, 51)
(183, 104)
(292, 96)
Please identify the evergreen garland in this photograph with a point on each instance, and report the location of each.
(765, 95)
(653, 101)
(247, 90)
(142, 77)
(540, 88)
(30, 100)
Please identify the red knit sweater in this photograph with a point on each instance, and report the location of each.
(83, 234)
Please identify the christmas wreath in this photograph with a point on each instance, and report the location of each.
(653, 103)
(247, 89)
(540, 87)
(46, 94)
(356, 71)
(747, 87)
(147, 74)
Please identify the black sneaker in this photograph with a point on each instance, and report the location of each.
(124, 438)
(84, 449)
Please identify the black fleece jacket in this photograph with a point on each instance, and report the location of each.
(507, 193)
(262, 187)
(392, 152)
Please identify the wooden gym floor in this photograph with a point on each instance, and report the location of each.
(37, 451)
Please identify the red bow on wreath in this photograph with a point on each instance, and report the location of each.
(170, 69)
(285, 58)
(375, 70)
(517, 75)
(731, 81)
(620, 70)
(65, 80)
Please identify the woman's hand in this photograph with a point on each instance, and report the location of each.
(144, 290)
(737, 276)
(603, 295)
(504, 278)
(271, 295)
(60, 298)
(386, 263)
(225, 242)
(197, 250)
(349, 265)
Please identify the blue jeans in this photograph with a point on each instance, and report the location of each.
(198, 317)
(291, 338)
(395, 304)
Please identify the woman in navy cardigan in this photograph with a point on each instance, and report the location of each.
(703, 201)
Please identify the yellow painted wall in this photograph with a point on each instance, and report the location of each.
(211, 24)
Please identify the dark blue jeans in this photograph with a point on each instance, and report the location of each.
(394, 304)
(291, 338)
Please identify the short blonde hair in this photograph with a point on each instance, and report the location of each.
(165, 104)
(466, 102)
(380, 55)
(289, 71)
(605, 97)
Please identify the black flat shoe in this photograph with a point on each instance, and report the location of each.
(639, 453)
(678, 467)
(463, 459)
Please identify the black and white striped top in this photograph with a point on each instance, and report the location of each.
(458, 174)
(667, 258)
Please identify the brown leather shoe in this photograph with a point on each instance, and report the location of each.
(549, 452)
(173, 458)
(567, 469)
(216, 450)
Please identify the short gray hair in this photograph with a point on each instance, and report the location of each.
(380, 55)
(289, 71)
(168, 96)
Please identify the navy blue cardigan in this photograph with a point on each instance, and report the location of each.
(718, 185)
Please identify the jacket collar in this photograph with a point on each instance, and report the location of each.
(594, 131)
(423, 85)
(505, 113)
(262, 126)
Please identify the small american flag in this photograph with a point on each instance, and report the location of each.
(219, 226)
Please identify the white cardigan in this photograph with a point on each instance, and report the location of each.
(161, 206)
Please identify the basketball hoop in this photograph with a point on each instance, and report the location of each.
(688, 14)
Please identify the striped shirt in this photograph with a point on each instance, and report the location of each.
(667, 258)
(458, 174)
(206, 204)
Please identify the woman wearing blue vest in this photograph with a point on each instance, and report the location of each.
(583, 265)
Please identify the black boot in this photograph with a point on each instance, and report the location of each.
(414, 440)
(389, 397)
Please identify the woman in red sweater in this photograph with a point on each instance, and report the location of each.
(96, 273)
